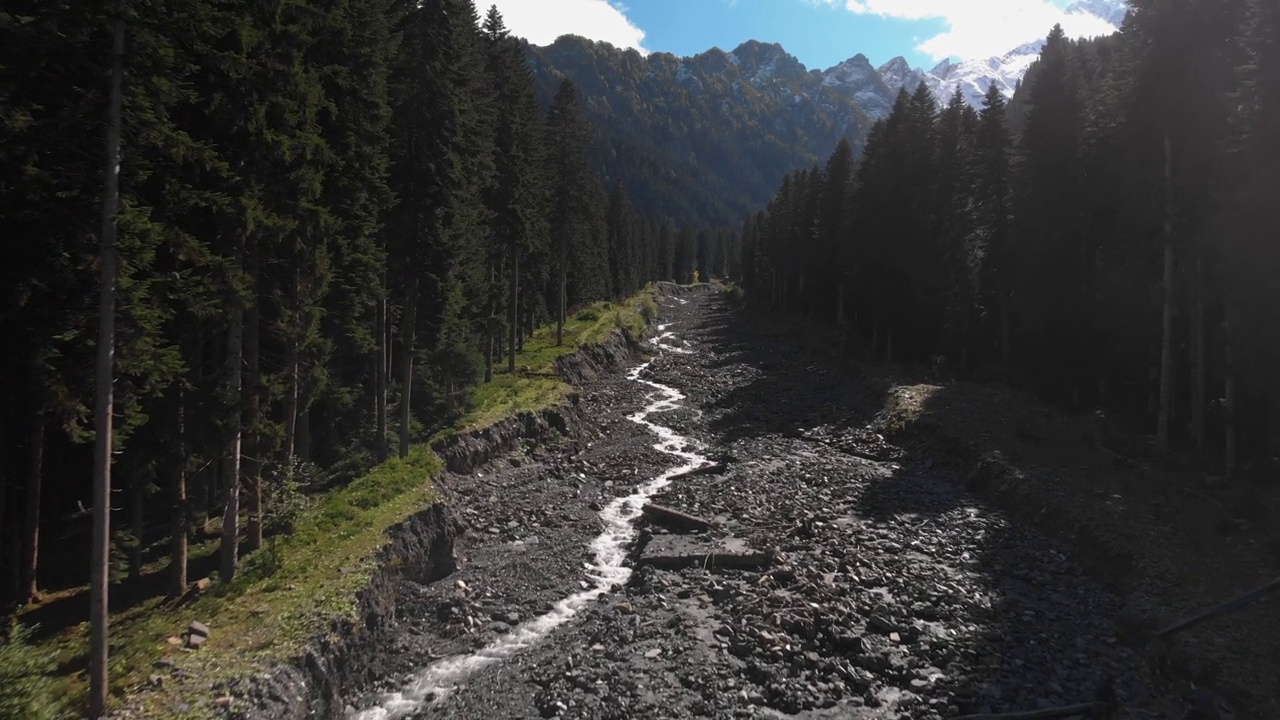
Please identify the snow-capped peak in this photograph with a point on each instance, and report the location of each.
(898, 73)
(856, 69)
(974, 77)
(858, 79)
(1111, 11)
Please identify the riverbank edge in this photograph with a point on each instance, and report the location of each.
(315, 682)
(1107, 532)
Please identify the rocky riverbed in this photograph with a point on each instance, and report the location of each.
(840, 577)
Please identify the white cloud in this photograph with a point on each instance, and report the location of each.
(983, 28)
(542, 21)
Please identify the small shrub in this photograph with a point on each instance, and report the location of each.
(26, 676)
(123, 545)
(283, 494)
(587, 315)
(648, 308)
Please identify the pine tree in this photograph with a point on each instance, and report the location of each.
(1050, 272)
(569, 178)
(993, 207)
(104, 406)
(832, 231)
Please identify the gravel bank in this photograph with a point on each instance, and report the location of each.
(891, 594)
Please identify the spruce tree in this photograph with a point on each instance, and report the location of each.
(993, 216)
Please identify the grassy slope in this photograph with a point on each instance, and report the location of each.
(297, 584)
(534, 385)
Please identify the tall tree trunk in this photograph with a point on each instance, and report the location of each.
(844, 331)
(524, 327)
(389, 340)
(490, 314)
(212, 491)
(7, 591)
(137, 518)
(380, 389)
(1230, 408)
(253, 441)
(564, 279)
(302, 440)
(1005, 341)
(8, 538)
(31, 513)
(231, 463)
(1198, 381)
(99, 554)
(514, 298)
(1166, 342)
(179, 511)
(293, 394)
(406, 365)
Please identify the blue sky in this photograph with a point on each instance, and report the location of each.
(821, 33)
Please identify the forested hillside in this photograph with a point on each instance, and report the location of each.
(332, 226)
(1119, 251)
(704, 139)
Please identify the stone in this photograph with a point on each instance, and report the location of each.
(681, 551)
(877, 624)
(198, 628)
(651, 654)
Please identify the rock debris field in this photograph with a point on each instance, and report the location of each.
(839, 577)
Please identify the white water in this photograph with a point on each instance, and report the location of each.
(440, 678)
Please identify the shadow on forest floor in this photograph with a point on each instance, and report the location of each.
(1164, 542)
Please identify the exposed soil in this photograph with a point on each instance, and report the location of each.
(892, 591)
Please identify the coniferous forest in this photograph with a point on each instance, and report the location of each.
(333, 222)
(1118, 251)
(255, 250)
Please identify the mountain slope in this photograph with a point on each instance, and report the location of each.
(705, 139)
(973, 77)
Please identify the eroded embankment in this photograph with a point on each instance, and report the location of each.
(349, 655)
(608, 570)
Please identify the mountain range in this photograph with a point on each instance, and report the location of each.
(706, 139)
(974, 77)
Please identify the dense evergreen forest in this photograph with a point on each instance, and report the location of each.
(701, 140)
(1120, 251)
(333, 224)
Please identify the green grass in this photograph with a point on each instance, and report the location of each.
(282, 596)
(534, 387)
(294, 589)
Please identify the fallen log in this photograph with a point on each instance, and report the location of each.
(1227, 608)
(712, 469)
(671, 517)
(724, 561)
(672, 552)
(1057, 712)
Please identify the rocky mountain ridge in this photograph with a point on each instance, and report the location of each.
(705, 139)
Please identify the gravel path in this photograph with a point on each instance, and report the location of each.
(891, 594)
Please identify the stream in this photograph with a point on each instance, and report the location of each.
(439, 679)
